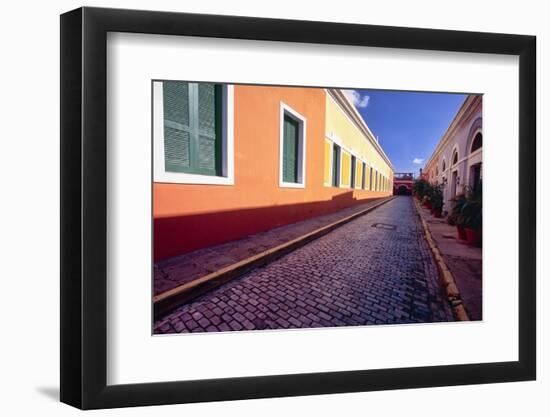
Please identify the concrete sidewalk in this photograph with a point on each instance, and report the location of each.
(464, 262)
(179, 270)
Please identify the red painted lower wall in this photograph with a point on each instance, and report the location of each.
(180, 234)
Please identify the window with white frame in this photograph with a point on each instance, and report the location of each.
(477, 143)
(353, 171)
(336, 152)
(193, 137)
(371, 180)
(454, 161)
(292, 148)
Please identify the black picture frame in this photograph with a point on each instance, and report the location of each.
(84, 207)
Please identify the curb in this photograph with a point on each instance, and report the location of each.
(168, 300)
(445, 275)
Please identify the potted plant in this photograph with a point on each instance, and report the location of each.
(436, 200)
(426, 202)
(451, 218)
(471, 213)
(419, 188)
(461, 231)
(427, 196)
(455, 217)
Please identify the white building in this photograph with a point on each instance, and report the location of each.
(457, 159)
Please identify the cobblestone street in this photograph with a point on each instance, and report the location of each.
(376, 269)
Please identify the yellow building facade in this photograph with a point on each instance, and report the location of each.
(353, 157)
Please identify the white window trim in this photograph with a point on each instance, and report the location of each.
(353, 172)
(287, 110)
(338, 142)
(331, 136)
(342, 185)
(341, 154)
(458, 160)
(228, 164)
(469, 156)
(469, 150)
(473, 154)
(339, 166)
(371, 188)
(359, 161)
(364, 174)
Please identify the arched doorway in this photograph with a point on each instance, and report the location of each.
(477, 143)
(454, 174)
(475, 169)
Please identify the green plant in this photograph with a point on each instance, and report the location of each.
(425, 199)
(471, 210)
(420, 187)
(436, 197)
(455, 215)
(451, 219)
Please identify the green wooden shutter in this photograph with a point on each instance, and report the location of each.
(353, 168)
(177, 129)
(370, 179)
(290, 149)
(192, 127)
(208, 149)
(336, 165)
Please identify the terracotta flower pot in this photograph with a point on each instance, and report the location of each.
(473, 237)
(437, 212)
(461, 233)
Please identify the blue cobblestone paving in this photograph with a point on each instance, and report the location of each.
(377, 269)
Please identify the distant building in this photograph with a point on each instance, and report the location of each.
(457, 159)
(402, 183)
(234, 160)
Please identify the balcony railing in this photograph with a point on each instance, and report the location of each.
(404, 176)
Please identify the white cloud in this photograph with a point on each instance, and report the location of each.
(418, 161)
(357, 99)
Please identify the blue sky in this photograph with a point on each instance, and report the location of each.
(408, 124)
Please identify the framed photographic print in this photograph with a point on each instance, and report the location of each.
(256, 207)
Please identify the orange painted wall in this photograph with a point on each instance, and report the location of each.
(189, 217)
